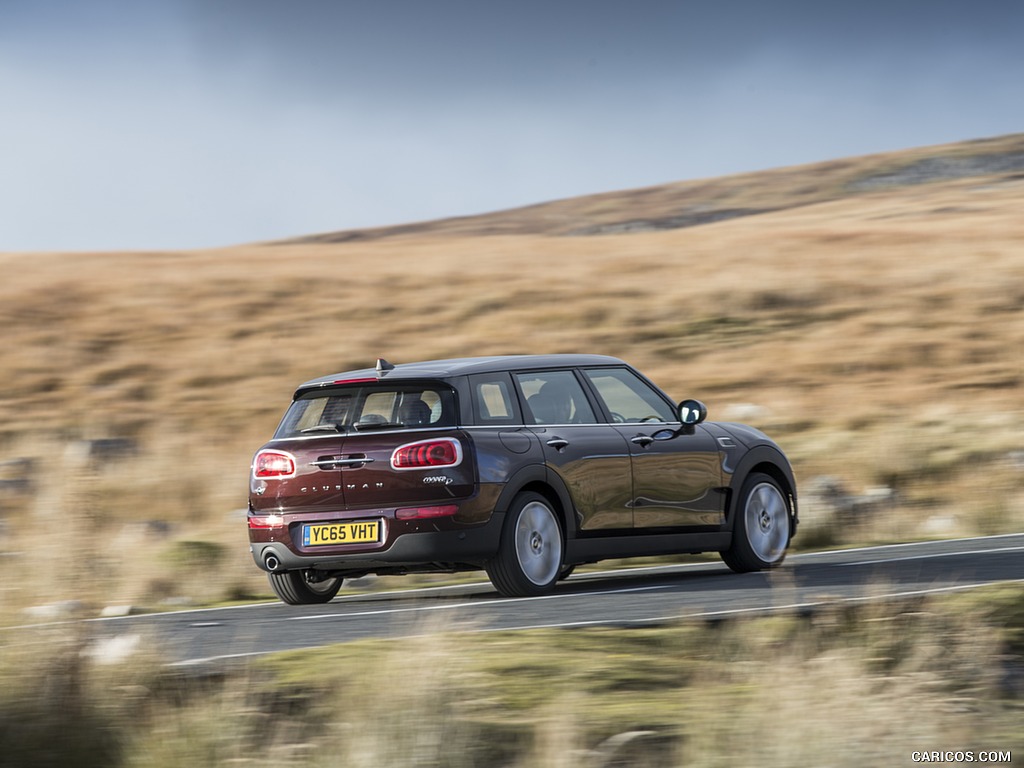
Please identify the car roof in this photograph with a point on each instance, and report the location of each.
(460, 366)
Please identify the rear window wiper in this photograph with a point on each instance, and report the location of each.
(321, 428)
(360, 426)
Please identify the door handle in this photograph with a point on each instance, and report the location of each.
(331, 462)
(558, 443)
(642, 440)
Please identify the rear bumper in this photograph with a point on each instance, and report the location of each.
(470, 537)
(413, 550)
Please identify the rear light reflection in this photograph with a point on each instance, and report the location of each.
(428, 454)
(270, 521)
(422, 513)
(273, 464)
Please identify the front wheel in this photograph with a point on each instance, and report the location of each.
(761, 531)
(304, 587)
(529, 559)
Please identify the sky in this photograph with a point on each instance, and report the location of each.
(180, 124)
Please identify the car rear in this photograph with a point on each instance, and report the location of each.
(368, 475)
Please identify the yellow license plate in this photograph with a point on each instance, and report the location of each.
(362, 532)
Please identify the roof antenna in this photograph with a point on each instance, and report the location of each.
(383, 366)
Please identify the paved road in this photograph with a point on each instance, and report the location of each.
(625, 597)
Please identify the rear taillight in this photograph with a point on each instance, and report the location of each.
(273, 464)
(428, 454)
(270, 521)
(421, 513)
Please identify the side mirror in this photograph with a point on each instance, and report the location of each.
(692, 412)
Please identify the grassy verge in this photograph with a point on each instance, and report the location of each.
(842, 687)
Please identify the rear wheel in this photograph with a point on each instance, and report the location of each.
(761, 531)
(304, 587)
(529, 559)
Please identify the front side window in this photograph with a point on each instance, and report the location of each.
(369, 407)
(555, 397)
(627, 397)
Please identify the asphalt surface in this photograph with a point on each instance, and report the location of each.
(628, 597)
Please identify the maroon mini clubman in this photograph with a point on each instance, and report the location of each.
(524, 466)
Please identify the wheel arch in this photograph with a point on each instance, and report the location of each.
(538, 479)
(770, 461)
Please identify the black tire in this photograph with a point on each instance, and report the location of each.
(529, 559)
(762, 528)
(297, 588)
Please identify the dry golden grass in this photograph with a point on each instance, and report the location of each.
(879, 334)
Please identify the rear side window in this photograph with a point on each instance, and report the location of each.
(555, 397)
(494, 401)
(369, 407)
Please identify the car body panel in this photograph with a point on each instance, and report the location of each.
(377, 483)
(594, 465)
(677, 482)
(312, 488)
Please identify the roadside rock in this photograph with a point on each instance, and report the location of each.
(111, 611)
(113, 650)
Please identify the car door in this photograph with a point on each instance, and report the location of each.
(589, 455)
(298, 471)
(677, 475)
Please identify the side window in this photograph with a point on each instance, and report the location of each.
(554, 397)
(627, 397)
(493, 400)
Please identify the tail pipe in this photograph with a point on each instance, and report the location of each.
(272, 562)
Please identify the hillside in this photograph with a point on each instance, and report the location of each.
(867, 312)
(693, 203)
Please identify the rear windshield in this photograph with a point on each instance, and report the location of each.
(369, 407)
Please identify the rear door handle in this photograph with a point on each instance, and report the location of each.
(642, 440)
(334, 462)
(558, 443)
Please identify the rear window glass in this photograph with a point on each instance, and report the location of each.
(366, 408)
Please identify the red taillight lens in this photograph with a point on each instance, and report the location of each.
(420, 513)
(273, 464)
(442, 452)
(270, 521)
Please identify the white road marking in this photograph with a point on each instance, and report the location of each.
(477, 603)
(759, 609)
(632, 622)
(933, 556)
